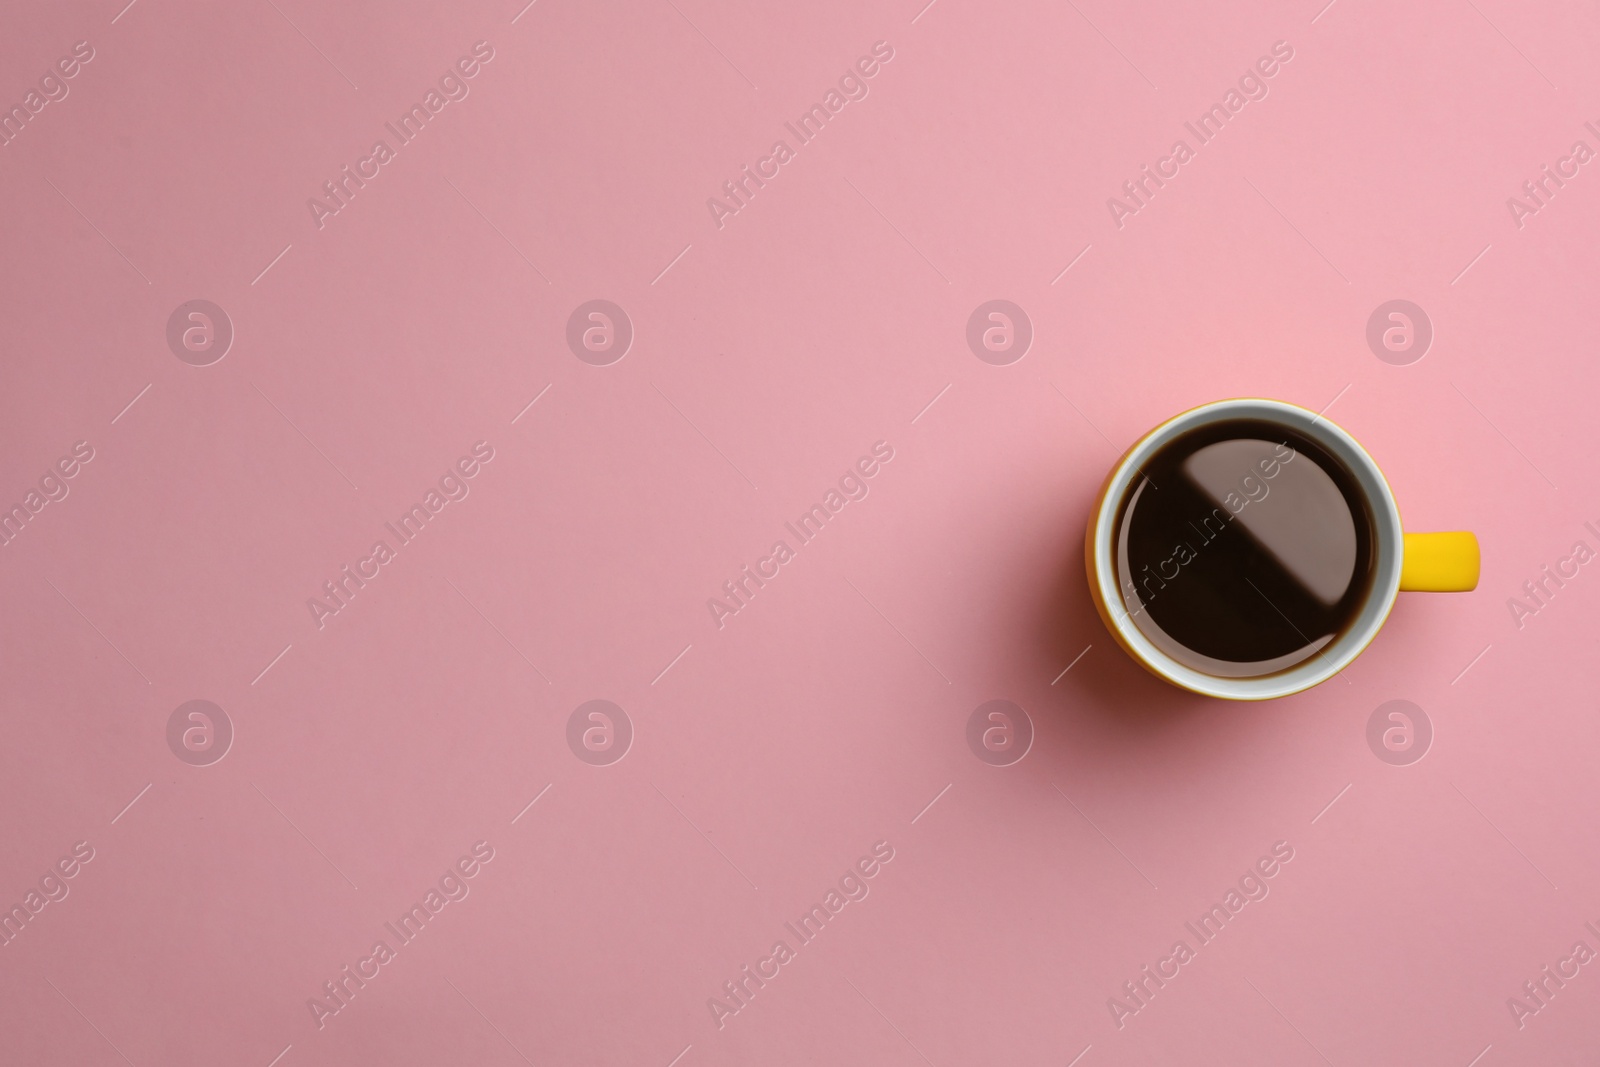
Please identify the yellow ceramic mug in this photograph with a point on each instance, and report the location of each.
(1427, 562)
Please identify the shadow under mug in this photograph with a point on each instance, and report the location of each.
(1426, 562)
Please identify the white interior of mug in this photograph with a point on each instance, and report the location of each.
(1386, 554)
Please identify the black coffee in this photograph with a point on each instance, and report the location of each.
(1244, 549)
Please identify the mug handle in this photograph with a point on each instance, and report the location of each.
(1439, 562)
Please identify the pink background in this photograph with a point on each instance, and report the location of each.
(772, 753)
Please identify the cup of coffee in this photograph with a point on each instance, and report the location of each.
(1249, 549)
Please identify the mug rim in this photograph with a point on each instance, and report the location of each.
(1388, 541)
